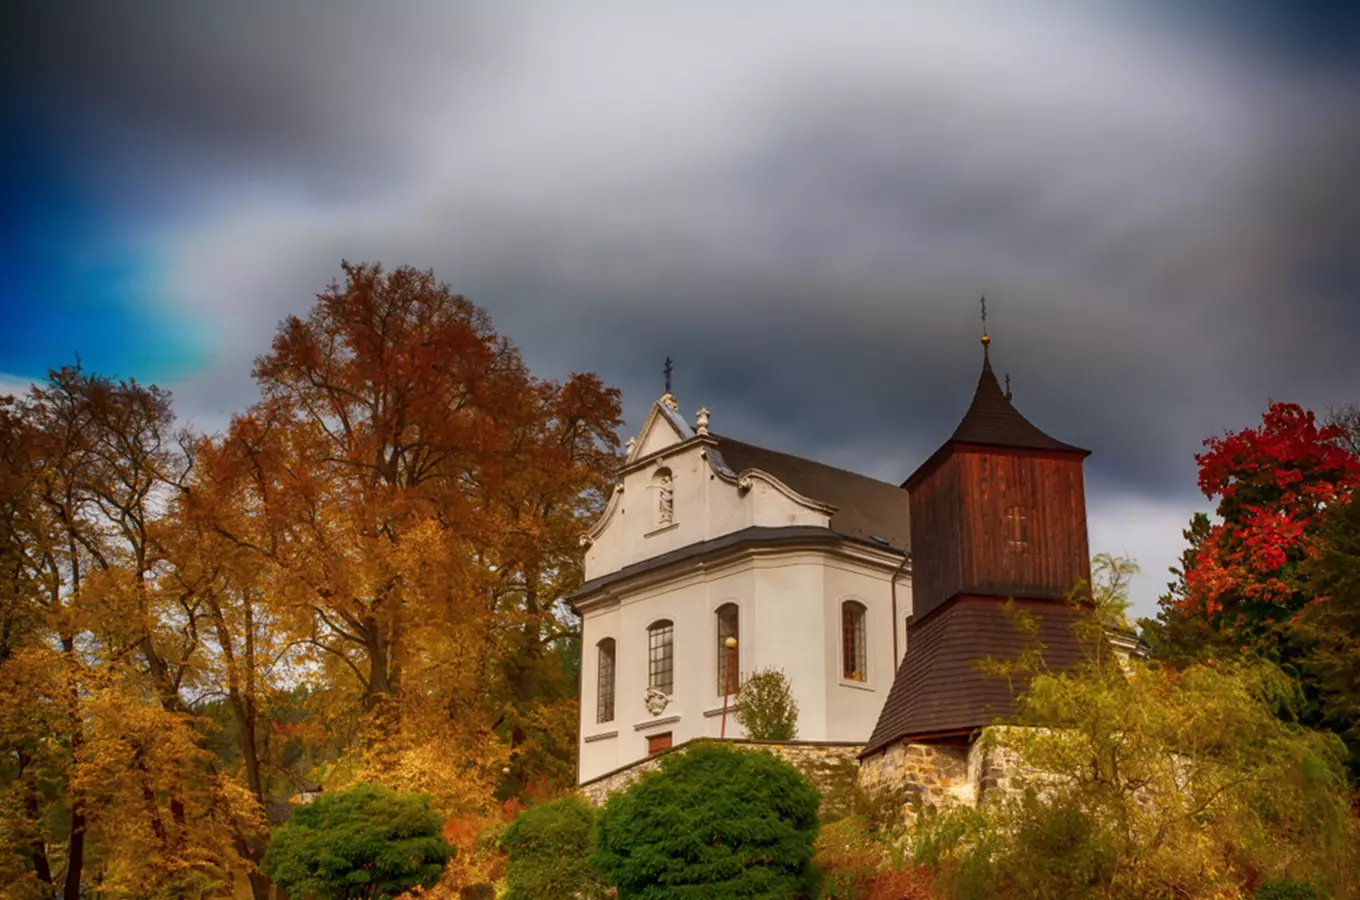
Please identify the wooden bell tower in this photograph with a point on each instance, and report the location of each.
(997, 513)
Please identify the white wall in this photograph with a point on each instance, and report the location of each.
(705, 506)
(789, 619)
(789, 600)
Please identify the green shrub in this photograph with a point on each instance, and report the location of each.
(712, 822)
(766, 708)
(367, 841)
(547, 852)
(1287, 889)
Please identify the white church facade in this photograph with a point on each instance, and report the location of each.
(707, 538)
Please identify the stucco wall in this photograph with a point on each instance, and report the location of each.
(704, 507)
(789, 613)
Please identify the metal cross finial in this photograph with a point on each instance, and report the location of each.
(984, 316)
(666, 370)
(1008, 385)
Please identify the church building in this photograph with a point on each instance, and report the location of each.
(716, 558)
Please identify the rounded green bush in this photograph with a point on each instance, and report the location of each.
(712, 822)
(548, 849)
(1287, 889)
(368, 841)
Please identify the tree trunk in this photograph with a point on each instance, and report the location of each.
(38, 849)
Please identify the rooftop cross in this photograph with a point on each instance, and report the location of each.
(666, 370)
(985, 340)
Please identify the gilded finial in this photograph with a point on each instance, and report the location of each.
(985, 340)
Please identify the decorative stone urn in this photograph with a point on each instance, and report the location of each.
(657, 701)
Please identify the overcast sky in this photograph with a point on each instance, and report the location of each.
(800, 204)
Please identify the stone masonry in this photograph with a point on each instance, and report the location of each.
(831, 767)
(895, 783)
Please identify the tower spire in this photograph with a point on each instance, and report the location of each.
(986, 341)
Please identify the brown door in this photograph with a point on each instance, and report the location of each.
(658, 742)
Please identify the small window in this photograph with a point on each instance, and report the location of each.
(658, 742)
(661, 656)
(1017, 529)
(854, 639)
(604, 689)
(729, 661)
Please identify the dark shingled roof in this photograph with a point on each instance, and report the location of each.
(938, 689)
(866, 508)
(991, 419)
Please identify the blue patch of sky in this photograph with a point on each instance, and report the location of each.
(76, 276)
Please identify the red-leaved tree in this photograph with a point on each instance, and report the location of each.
(1244, 579)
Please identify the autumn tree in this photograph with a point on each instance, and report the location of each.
(1244, 577)
(97, 693)
(419, 494)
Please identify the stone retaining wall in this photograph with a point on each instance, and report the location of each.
(894, 784)
(831, 767)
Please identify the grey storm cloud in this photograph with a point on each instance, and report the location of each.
(801, 205)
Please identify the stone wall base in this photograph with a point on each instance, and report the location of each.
(892, 785)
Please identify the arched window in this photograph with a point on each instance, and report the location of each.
(661, 656)
(604, 683)
(854, 641)
(729, 661)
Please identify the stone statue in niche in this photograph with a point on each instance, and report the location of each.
(665, 509)
(657, 701)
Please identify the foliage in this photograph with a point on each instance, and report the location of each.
(1286, 889)
(368, 841)
(713, 822)
(361, 579)
(765, 706)
(1330, 626)
(1147, 781)
(858, 863)
(1245, 578)
(548, 849)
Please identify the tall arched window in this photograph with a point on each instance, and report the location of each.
(661, 656)
(604, 683)
(729, 661)
(854, 641)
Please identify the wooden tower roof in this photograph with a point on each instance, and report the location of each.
(992, 421)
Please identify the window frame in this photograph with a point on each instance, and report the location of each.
(661, 656)
(722, 678)
(854, 642)
(606, 690)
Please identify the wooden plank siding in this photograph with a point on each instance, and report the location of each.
(963, 535)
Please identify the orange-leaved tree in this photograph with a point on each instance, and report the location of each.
(418, 494)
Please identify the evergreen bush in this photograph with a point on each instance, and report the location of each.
(368, 841)
(548, 850)
(711, 823)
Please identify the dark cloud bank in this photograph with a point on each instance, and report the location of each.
(801, 208)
